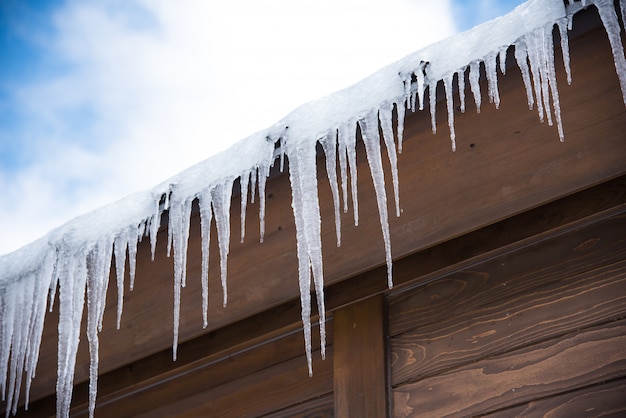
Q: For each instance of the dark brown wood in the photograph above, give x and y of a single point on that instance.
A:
(559, 365)
(360, 381)
(569, 213)
(257, 394)
(601, 400)
(567, 253)
(512, 300)
(322, 407)
(525, 318)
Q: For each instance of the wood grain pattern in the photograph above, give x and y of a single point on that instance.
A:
(507, 275)
(601, 400)
(315, 408)
(559, 365)
(257, 394)
(360, 380)
(547, 312)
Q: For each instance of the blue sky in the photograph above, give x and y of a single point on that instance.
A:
(99, 99)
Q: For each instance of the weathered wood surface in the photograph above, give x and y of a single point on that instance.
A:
(601, 400)
(514, 164)
(559, 365)
(315, 408)
(586, 248)
(509, 235)
(256, 394)
(360, 361)
(157, 381)
(552, 288)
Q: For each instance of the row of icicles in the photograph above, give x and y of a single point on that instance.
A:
(82, 274)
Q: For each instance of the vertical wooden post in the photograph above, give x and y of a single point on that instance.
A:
(359, 359)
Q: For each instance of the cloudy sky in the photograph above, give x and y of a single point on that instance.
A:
(100, 99)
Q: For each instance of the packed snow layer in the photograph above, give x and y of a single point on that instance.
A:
(75, 259)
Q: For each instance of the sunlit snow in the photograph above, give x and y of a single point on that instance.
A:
(76, 258)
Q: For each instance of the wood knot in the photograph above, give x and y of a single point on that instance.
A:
(586, 245)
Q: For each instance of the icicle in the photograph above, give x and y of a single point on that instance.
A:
(421, 87)
(541, 57)
(408, 93)
(42, 283)
(105, 254)
(432, 95)
(72, 279)
(535, 70)
(155, 223)
(244, 181)
(178, 232)
(94, 345)
(264, 172)
(220, 199)
(347, 145)
(400, 111)
(371, 138)
(282, 154)
(551, 72)
(447, 84)
(23, 296)
(606, 9)
(99, 261)
(253, 176)
(385, 116)
(562, 24)
(134, 235)
(329, 144)
(502, 59)
(343, 171)
(460, 78)
(539, 40)
(7, 319)
(54, 282)
(305, 204)
(206, 215)
(521, 56)
(474, 77)
(492, 79)
(120, 260)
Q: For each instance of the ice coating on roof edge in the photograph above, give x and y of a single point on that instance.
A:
(77, 255)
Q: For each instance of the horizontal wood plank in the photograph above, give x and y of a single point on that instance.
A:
(257, 394)
(321, 407)
(574, 302)
(505, 276)
(567, 254)
(601, 400)
(590, 356)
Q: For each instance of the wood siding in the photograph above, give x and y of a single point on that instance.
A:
(537, 323)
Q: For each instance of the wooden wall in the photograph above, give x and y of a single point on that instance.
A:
(539, 330)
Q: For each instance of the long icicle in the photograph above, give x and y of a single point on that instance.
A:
(371, 138)
(329, 145)
(305, 204)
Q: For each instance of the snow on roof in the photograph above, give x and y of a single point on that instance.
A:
(77, 256)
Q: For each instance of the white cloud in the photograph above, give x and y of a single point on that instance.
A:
(147, 88)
